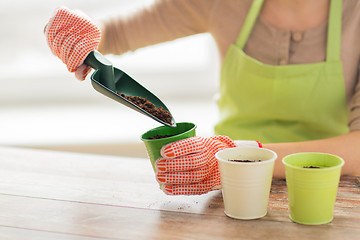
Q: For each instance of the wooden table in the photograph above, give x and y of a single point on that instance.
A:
(59, 195)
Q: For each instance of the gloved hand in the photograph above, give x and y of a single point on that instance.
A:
(189, 166)
(71, 36)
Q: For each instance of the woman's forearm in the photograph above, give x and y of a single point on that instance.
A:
(346, 146)
(162, 21)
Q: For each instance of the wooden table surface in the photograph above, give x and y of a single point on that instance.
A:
(58, 195)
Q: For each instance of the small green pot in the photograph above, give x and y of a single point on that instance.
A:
(153, 146)
(312, 181)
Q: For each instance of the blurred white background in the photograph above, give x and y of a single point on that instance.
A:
(43, 105)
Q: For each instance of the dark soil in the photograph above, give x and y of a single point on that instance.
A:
(160, 136)
(236, 160)
(149, 107)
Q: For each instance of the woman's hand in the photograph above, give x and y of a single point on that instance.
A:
(71, 36)
(189, 166)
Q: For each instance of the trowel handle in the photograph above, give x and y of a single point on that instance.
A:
(97, 61)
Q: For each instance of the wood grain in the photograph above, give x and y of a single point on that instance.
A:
(58, 195)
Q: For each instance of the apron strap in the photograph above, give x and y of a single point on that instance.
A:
(333, 35)
(249, 23)
(334, 31)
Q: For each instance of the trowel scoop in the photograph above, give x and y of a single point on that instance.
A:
(112, 82)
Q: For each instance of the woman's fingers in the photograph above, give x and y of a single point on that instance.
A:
(183, 147)
(211, 183)
(185, 177)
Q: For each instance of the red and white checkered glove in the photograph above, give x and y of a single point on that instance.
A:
(71, 36)
(189, 166)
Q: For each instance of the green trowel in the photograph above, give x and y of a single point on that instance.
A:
(112, 82)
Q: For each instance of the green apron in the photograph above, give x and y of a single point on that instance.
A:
(287, 103)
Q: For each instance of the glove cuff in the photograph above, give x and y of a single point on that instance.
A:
(244, 143)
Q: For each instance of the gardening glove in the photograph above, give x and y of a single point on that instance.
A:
(71, 36)
(189, 166)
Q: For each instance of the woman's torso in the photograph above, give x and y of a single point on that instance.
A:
(266, 43)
